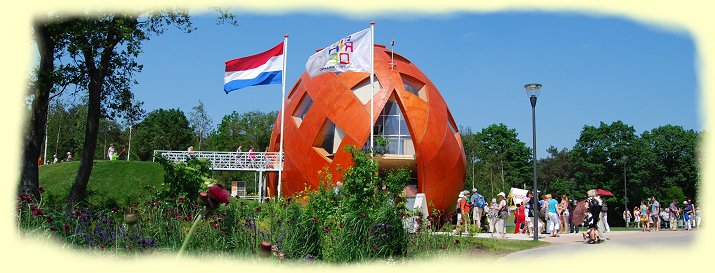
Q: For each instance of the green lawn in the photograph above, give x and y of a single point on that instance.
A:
(112, 183)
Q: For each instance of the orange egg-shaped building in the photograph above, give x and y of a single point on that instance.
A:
(328, 112)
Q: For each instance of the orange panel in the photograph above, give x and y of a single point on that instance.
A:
(440, 159)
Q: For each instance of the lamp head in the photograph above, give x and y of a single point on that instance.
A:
(532, 89)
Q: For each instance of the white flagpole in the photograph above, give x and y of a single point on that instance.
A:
(372, 83)
(283, 95)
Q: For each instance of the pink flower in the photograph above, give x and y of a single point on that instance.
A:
(265, 249)
(131, 218)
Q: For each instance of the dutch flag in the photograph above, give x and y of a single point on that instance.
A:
(260, 69)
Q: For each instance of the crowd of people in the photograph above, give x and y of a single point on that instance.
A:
(651, 216)
(559, 214)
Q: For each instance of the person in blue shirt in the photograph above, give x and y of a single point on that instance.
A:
(553, 215)
(477, 201)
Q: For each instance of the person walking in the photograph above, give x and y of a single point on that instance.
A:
(463, 211)
(251, 156)
(478, 203)
(692, 213)
(687, 215)
(593, 203)
(627, 217)
(604, 218)
(564, 214)
(552, 214)
(673, 214)
(655, 213)
(637, 216)
(519, 218)
(110, 151)
(529, 213)
(492, 215)
(503, 215)
(644, 216)
(698, 217)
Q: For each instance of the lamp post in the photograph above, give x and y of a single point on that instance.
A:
(625, 187)
(532, 90)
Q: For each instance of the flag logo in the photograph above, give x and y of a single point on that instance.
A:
(351, 53)
(260, 69)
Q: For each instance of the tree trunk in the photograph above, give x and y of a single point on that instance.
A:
(29, 181)
(79, 188)
(97, 75)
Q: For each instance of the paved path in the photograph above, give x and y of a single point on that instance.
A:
(572, 244)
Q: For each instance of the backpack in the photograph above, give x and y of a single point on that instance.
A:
(480, 201)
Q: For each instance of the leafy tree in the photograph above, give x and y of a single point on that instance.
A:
(555, 170)
(201, 122)
(500, 158)
(104, 51)
(162, 130)
(598, 162)
(247, 129)
(674, 157)
(469, 141)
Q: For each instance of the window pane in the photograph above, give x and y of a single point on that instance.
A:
(391, 125)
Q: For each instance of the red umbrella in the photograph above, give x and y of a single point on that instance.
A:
(602, 192)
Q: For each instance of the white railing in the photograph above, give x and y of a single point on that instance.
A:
(230, 161)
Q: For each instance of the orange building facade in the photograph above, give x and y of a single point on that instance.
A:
(326, 113)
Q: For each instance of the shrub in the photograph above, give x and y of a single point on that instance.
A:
(186, 178)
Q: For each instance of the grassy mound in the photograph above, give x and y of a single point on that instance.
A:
(112, 183)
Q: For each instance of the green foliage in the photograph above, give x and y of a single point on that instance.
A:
(250, 129)
(201, 124)
(381, 144)
(162, 130)
(186, 178)
(501, 159)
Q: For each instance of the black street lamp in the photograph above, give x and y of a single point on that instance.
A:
(532, 90)
(625, 187)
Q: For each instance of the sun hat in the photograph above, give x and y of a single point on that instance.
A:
(461, 195)
(474, 189)
(502, 194)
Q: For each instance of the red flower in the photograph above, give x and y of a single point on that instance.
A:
(340, 225)
(48, 219)
(115, 209)
(53, 228)
(443, 247)
(362, 215)
(219, 194)
(456, 242)
(41, 189)
(181, 200)
(326, 229)
(258, 209)
(314, 219)
(66, 228)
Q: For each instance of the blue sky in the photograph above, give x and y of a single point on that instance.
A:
(592, 68)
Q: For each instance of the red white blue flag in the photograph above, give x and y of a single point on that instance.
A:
(260, 69)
